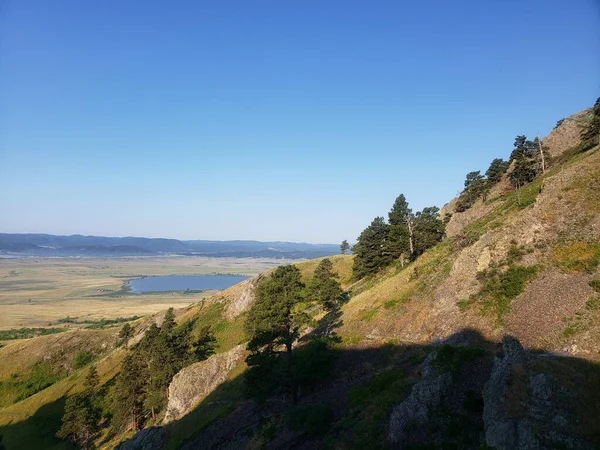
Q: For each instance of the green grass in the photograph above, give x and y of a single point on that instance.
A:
(368, 314)
(228, 333)
(364, 425)
(595, 284)
(577, 257)
(39, 377)
(314, 420)
(26, 333)
(390, 304)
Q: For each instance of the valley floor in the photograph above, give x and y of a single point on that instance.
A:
(37, 292)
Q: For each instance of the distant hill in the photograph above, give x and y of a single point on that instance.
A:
(30, 244)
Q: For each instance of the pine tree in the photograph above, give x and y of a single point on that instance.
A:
(592, 133)
(429, 229)
(80, 421)
(325, 288)
(274, 321)
(344, 247)
(497, 168)
(476, 186)
(125, 334)
(371, 250)
(401, 228)
(130, 391)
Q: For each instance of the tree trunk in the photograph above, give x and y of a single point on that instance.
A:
(542, 155)
(292, 372)
(410, 235)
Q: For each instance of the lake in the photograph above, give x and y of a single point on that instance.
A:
(183, 283)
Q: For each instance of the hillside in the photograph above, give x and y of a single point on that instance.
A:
(489, 339)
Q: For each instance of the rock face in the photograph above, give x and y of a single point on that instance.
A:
(244, 300)
(415, 410)
(195, 382)
(523, 408)
(146, 439)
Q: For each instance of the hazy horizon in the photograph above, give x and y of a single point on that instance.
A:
(271, 121)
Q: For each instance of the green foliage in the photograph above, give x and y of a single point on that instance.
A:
(371, 250)
(344, 247)
(595, 284)
(26, 333)
(324, 287)
(368, 314)
(364, 424)
(497, 168)
(578, 257)
(476, 186)
(314, 363)
(501, 287)
(428, 229)
(80, 421)
(314, 420)
(97, 324)
(155, 360)
(82, 358)
(274, 321)
(592, 133)
(125, 334)
(40, 376)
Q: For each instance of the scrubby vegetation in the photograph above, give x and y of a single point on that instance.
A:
(27, 333)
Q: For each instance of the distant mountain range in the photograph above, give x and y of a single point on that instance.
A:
(27, 244)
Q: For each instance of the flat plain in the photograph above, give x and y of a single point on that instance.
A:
(38, 292)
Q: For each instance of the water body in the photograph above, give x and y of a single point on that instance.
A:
(183, 283)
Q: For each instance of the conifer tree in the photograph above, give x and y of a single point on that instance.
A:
(372, 253)
(325, 288)
(401, 228)
(429, 229)
(497, 168)
(274, 322)
(344, 247)
(80, 421)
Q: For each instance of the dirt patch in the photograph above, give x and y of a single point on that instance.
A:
(538, 313)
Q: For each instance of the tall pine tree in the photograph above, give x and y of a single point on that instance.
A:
(371, 249)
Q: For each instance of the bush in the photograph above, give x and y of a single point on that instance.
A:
(82, 358)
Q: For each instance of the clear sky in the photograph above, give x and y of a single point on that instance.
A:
(271, 120)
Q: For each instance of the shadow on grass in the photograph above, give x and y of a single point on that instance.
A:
(38, 431)
(351, 408)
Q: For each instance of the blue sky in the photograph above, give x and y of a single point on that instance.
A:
(271, 120)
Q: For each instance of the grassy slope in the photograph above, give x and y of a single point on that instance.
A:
(383, 308)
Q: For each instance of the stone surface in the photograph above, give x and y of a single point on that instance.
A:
(195, 382)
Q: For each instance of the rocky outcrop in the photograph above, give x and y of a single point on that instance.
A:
(242, 302)
(524, 408)
(193, 383)
(415, 410)
(147, 439)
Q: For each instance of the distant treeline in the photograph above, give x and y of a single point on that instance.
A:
(26, 333)
(95, 324)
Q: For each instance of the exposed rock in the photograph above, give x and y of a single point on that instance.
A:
(244, 300)
(524, 409)
(193, 383)
(415, 410)
(146, 439)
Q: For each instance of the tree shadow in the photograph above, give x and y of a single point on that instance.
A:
(38, 431)
(353, 406)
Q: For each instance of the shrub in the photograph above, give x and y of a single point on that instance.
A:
(82, 358)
